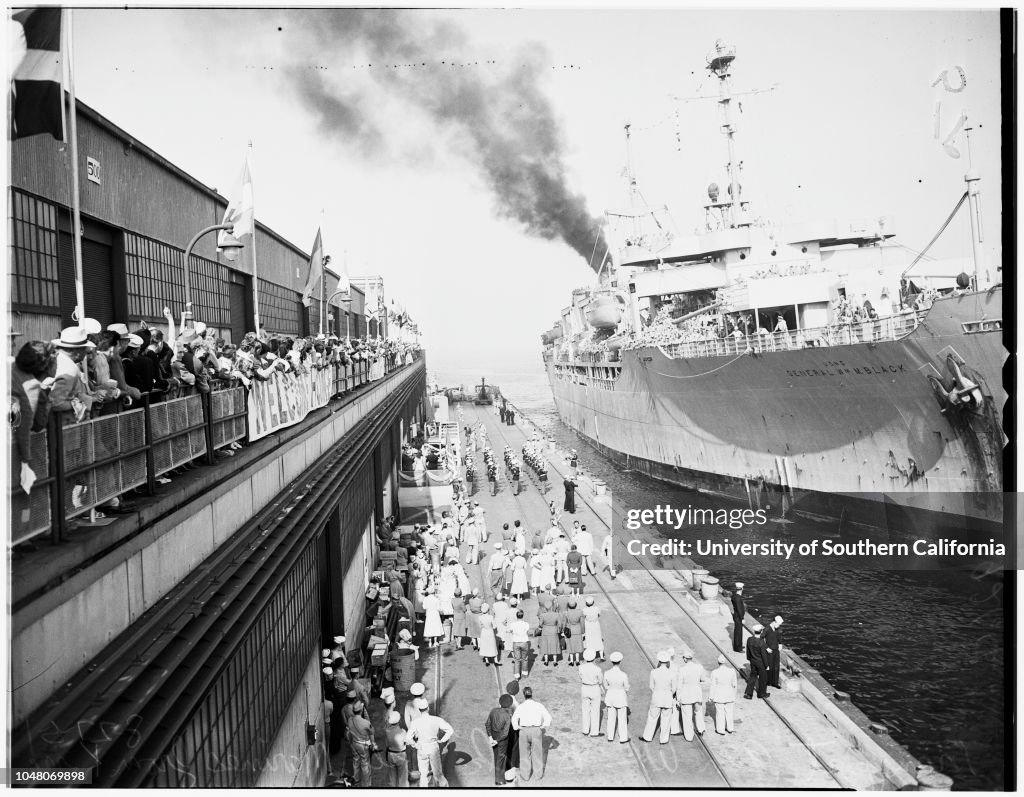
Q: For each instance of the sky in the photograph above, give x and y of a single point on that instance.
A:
(435, 146)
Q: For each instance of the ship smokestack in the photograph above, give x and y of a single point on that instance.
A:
(513, 137)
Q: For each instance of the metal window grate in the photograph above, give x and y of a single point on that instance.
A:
(226, 741)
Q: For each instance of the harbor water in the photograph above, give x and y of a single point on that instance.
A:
(920, 651)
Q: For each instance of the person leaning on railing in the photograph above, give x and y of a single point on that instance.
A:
(70, 394)
(30, 403)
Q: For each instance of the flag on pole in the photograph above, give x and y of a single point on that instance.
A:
(316, 268)
(37, 95)
(241, 210)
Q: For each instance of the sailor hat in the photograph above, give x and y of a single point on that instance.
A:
(421, 703)
(417, 689)
(394, 718)
(758, 627)
(589, 655)
(615, 658)
(739, 585)
(722, 659)
(134, 342)
(664, 657)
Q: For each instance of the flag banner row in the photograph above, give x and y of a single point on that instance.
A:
(285, 399)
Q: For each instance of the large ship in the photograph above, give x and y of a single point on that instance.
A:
(809, 367)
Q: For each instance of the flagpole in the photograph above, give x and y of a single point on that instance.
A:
(323, 273)
(76, 203)
(255, 271)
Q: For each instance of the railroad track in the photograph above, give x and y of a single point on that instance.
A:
(644, 566)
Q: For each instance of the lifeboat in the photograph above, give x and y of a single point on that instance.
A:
(605, 311)
(553, 335)
(614, 343)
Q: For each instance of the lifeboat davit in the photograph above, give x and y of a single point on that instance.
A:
(604, 311)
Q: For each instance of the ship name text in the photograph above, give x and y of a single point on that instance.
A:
(840, 368)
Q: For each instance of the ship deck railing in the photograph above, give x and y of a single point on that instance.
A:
(844, 334)
(83, 466)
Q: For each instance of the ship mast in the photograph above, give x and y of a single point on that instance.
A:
(973, 180)
(718, 64)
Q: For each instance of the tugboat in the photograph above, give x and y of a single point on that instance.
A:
(486, 394)
(803, 365)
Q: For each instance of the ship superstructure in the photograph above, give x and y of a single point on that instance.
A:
(812, 359)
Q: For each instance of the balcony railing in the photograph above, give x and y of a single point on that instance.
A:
(81, 466)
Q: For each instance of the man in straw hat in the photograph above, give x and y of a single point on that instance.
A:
(70, 393)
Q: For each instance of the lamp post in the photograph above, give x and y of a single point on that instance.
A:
(230, 245)
(326, 304)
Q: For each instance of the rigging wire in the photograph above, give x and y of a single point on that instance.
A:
(942, 229)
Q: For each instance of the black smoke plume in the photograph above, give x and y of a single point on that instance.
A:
(509, 125)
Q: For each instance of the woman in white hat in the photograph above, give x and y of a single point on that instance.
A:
(433, 630)
(488, 643)
(592, 637)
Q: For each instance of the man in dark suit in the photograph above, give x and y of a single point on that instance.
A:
(739, 609)
(569, 505)
(757, 656)
(771, 641)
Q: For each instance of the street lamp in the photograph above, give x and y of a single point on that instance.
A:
(231, 246)
(348, 298)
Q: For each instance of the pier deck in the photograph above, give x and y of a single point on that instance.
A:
(785, 741)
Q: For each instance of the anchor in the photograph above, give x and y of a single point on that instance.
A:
(956, 391)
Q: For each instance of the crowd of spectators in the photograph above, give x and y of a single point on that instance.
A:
(90, 372)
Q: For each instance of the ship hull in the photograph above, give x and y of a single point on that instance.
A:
(834, 428)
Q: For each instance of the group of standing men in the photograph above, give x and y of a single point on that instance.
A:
(763, 648)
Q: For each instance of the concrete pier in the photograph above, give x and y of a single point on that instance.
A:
(790, 740)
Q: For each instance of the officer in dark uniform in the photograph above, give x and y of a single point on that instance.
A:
(470, 479)
(739, 610)
(492, 477)
(757, 655)
(771, 641)
(515, 478)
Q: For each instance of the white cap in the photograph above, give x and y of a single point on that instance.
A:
(589, 655)
(664, 657)
(758, 627)
(739, 585)
(421, 703)
(339, 640)
(722, 659)
(417, 689)
(615, 658)
(778, 618)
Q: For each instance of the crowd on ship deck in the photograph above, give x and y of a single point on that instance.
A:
(90, 372)
(531, 610)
